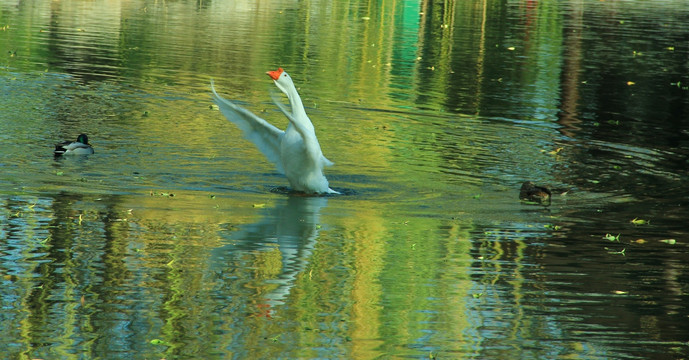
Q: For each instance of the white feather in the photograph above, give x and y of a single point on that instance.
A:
(295, 151)
(264, 135)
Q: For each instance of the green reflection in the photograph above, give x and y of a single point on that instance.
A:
(435, 112)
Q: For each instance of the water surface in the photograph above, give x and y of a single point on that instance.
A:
(178, 240)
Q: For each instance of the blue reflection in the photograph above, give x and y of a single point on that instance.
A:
(292, 225)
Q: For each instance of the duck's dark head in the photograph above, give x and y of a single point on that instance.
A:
(83, 139)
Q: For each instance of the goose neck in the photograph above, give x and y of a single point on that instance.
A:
(295, 103)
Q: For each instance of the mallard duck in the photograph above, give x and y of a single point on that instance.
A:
(294, 151)
(79, 147)
(533, 193)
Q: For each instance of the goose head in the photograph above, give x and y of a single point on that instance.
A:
(282, 80)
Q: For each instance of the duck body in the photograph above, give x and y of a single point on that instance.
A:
(532, 193)
(79, 147)
(295, 151)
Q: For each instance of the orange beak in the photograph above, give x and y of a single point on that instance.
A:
(275, 74)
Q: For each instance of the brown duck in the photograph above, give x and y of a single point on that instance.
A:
(533, 193)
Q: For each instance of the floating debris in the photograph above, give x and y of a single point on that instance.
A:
(611, 237)
(637, 221)
(166, 194)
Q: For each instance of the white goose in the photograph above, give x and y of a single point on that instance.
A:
(295, 151)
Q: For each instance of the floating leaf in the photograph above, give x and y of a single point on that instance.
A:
(612, 237)
(637, 221)
(640, 241)
(630, 83)
(162, 194)
(556, 151)
(614, 252)
(159, 342)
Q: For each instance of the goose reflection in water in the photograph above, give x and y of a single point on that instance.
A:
(293, 227)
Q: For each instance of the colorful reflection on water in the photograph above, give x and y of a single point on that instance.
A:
(177, 240)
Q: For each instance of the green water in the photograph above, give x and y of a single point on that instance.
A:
(178, 240)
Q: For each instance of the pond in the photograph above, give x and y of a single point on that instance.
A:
(177, 239)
